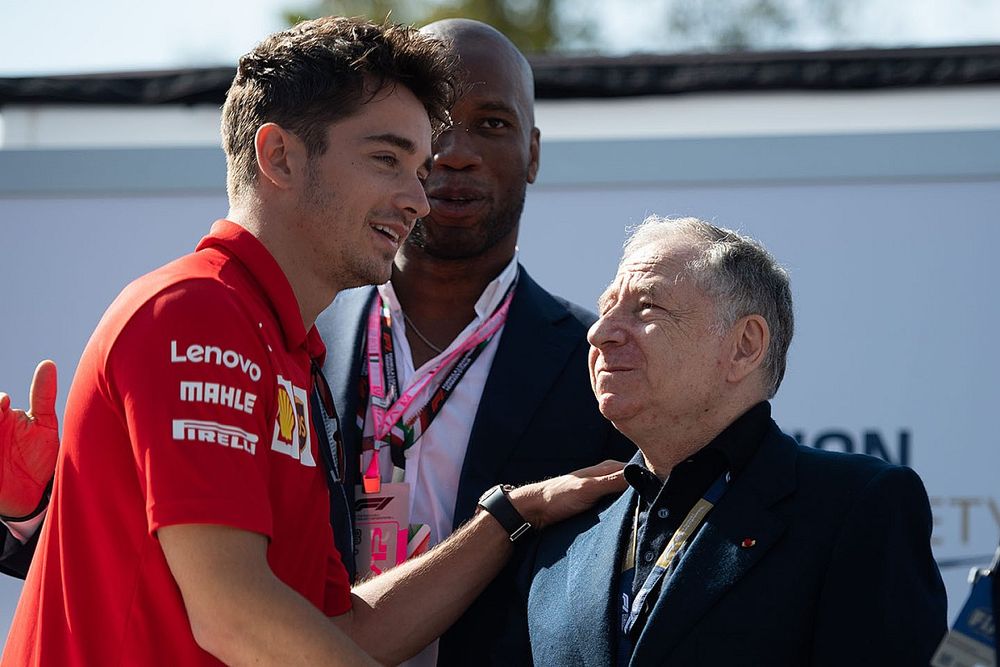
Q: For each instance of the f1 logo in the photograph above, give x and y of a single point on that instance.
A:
(372, 504)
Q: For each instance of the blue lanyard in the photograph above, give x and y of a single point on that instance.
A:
(687, 528)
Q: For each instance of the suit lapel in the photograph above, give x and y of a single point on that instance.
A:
(342, 326)
(533, 349)
(715, 560)
(592, 583)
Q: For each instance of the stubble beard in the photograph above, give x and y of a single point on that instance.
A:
(450, 243)
(343, 268)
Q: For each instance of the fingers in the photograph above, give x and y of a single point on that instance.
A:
(602, 469)
(608, 475)
(42, 399)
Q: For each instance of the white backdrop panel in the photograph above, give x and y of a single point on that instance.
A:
(893, 285)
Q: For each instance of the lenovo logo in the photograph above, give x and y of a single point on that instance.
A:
(210, 354)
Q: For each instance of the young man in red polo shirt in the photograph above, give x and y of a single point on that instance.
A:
(190, 519)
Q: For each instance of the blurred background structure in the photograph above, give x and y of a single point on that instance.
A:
(858, 139)
(63, 36)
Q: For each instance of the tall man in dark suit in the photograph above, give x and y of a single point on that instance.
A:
(523, 409)
(734, 545)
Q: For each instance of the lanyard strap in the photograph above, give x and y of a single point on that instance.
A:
(380, 385)
(332, 452)
(687, 528)
(326, 413)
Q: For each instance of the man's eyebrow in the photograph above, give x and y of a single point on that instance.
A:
(496, 105)
(607, 298)
(394, 139)
(647, 290)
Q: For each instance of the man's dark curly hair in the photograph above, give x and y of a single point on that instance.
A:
(321, 71)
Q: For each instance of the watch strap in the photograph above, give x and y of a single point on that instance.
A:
(496, 502)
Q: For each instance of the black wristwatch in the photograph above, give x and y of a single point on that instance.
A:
(496, 502)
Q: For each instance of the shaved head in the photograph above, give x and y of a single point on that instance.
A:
(471, 39)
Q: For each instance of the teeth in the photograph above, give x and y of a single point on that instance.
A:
(385, 230)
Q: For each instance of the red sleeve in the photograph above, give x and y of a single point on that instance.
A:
(193, 377)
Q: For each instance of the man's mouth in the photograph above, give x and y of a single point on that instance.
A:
(444, 193)
(457, 205)
(459, 198)
(387, 231)
(455, 193)
(613, 368)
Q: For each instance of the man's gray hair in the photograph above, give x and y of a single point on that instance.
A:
(739, 274)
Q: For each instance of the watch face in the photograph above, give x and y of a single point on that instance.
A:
(486, 494)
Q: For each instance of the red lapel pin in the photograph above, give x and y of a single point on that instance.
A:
(748, 542)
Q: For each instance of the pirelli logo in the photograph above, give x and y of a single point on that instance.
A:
(220, 434)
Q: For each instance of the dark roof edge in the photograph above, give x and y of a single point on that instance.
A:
(573, 76)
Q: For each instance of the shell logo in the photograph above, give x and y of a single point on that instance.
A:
(286, 415)
(291, 423)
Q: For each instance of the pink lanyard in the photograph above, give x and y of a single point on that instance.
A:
(382, 381)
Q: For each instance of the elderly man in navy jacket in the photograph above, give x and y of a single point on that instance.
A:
(733, 545)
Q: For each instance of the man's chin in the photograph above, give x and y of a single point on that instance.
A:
(616, 408)
(374, 276)
(449, 243)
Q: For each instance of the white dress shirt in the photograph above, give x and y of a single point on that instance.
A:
(434, 462)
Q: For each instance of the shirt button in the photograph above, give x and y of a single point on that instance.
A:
(662, 513)
(648, 557)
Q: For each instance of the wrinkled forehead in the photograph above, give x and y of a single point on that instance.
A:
(666, 257)
(650, 278)
(650, 269)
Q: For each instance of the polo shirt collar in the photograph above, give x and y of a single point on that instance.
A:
(273, 283)
(730, 450)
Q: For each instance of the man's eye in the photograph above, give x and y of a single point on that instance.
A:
(389, 160)
(493, 123)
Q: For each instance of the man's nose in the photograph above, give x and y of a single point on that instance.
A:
(412, 200)
(607, 330)
(455, 149)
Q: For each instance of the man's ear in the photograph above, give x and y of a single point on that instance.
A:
(281, 156)
(750, 339)
(534, 154)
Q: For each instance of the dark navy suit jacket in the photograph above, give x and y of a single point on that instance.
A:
(537, 418)
(840, 573)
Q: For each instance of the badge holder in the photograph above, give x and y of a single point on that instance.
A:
(382, 519)
(971, 642)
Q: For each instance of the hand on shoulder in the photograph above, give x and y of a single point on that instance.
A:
(553, 500)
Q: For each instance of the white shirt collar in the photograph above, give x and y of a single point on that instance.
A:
(488, 301)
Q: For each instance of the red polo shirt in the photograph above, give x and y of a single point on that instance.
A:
(190, 405)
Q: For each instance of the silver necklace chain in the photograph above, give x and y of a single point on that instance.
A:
(437, 350)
